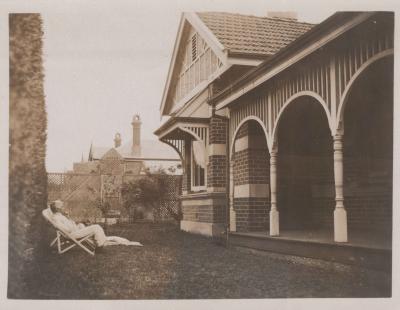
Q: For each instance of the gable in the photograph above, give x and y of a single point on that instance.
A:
(198, 58)
(97, 152)
(111, 154)
(196, 65)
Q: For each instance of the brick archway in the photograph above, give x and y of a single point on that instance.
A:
(245, 120)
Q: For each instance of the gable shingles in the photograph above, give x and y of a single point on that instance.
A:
(246, 34)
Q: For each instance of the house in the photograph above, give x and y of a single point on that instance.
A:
(135, 156)
(285, 130)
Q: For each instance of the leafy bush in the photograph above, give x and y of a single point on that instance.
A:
(148, 191)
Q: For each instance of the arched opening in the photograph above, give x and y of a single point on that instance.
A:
(305, 166)
(251, 193)
(368, 149)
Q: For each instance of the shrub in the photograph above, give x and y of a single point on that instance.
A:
(148, 191)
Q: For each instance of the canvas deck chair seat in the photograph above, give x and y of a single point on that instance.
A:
(65, 241)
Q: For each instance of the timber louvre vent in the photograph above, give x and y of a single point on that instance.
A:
(194, 47)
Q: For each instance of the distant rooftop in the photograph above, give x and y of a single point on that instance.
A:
(150, 150)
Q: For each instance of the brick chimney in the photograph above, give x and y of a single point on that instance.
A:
(136, 123)
(117, 140)
(289, 15)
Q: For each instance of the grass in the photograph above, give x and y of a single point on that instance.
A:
(177, 265)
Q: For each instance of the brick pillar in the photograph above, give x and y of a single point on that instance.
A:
(339, 215)
(217, 155)
(232, 213)
(251, 179)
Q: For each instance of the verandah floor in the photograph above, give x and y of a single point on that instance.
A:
(368, 249)
(357, 238)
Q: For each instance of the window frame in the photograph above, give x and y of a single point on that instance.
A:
(193, 169)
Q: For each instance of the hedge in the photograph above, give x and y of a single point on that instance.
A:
(27, 172)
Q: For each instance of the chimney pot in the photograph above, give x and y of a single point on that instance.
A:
(136, 124)
(117, 140)
(289, 15)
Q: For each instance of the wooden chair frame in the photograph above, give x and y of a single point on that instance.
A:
(65, 241)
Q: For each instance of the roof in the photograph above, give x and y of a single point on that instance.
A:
(171, 167)
(149, 149)
(174, 120)
(236, 39)
(97, 152)
(254, 35)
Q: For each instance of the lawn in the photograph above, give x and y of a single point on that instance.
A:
(177, 265)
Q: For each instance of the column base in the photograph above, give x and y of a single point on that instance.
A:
(201, 228)
(340, 225)
(274, 223)
(232, 220)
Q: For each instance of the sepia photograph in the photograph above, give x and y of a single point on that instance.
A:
(199, 151)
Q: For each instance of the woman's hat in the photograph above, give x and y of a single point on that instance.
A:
(58, 204)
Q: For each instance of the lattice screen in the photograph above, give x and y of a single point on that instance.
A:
(171, 201)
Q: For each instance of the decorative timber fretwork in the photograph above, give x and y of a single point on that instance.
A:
(177, 145)
(251, 108)
(326, 75)
(351, 62)
(199, 132)
(178, 137)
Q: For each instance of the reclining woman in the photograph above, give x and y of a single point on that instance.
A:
(80, 230)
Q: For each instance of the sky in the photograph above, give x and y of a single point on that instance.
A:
(104, 61)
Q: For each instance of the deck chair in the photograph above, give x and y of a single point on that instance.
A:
(65, 241)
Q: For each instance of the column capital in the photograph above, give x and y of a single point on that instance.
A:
(338, 136)
(274, 149)
(338, 143)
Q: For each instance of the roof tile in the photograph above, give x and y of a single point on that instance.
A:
(247, 34)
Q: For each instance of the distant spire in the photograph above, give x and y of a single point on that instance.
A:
(90, 151)
(82, 160)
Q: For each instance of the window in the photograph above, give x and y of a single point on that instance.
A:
(198, 166)
(198, 178)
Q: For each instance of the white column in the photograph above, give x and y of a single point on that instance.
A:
(273, 213)
(339, 215)
(232, 213)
